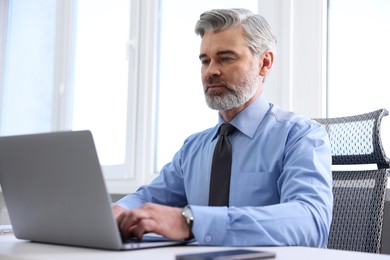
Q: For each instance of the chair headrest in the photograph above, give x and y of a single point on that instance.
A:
(357, 139)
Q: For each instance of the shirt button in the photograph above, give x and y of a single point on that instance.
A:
(207, 238)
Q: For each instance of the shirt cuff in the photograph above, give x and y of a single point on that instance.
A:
(210, 224)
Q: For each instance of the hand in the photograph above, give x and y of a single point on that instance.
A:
(163, 220)
(118, 210)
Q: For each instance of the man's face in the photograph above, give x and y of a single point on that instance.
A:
(230, 72)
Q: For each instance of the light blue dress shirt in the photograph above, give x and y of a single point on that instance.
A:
(281, 183)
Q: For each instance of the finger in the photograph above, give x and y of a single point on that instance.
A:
(125, 223)
(118, 210)
(128, 220)
(120, 218)
(144, 226)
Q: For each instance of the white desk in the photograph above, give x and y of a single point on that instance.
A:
(12, 248)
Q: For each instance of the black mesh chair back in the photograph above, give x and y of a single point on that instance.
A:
(359, 195)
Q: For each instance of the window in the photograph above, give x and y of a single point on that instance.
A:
(67, 66)
(99, 100)
(99, 90)
(26, 104)
(358, 57)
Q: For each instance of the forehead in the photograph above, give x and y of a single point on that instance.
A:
(227, 39)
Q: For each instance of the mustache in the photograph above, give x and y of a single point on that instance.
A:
(216, 81)
(226, 85)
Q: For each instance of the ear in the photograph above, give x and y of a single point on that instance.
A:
(266, 62)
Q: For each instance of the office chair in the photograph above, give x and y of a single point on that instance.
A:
(359, 195)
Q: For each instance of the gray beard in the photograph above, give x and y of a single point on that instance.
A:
(234, 97)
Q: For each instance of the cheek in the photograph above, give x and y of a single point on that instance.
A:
(242, 78)
(236, 75)
(204, 78)
(203, 73)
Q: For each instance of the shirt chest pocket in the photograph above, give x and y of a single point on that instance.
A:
(254, 189)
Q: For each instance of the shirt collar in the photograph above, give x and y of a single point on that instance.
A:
(249, 119)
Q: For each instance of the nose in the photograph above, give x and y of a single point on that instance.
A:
(212, 70)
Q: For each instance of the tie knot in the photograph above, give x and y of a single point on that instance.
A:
(226, 129)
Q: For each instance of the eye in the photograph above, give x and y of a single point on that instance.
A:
(205, 61)
(226, 59)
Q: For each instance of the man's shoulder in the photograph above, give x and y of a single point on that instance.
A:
(282, 116)
(293, 126)
(203, 135)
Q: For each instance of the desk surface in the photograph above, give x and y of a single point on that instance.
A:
(12, 248)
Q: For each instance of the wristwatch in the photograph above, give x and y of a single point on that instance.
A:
(189, 218)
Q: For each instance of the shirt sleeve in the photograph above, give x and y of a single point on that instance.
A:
(166, 189)
(304, 213)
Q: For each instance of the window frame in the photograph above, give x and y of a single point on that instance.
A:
(141, 99)
(301, 29)
(4, 6)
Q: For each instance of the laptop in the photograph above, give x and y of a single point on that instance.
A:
(55, 192)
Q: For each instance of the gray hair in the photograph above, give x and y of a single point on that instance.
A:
(256, 29)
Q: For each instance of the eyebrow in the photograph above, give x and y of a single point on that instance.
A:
(220, 53)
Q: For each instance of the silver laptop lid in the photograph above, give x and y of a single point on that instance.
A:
(54, 190)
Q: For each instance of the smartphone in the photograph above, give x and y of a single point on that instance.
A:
(236, 254)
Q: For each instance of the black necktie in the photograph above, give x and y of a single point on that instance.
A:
(220, 169)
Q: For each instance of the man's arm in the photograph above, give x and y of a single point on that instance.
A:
(143, 211)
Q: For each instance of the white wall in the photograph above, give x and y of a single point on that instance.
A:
(298, 79)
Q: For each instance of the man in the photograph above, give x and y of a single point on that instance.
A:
(280, 186)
